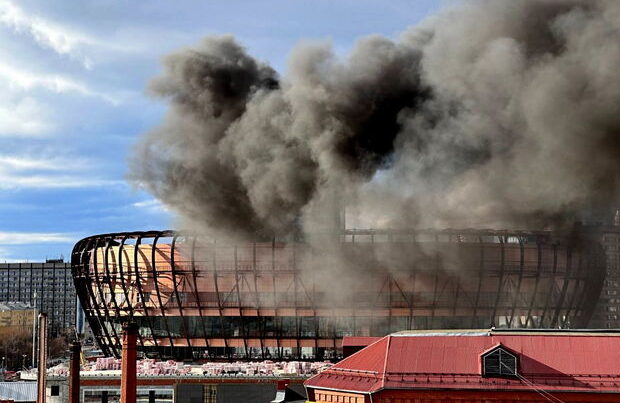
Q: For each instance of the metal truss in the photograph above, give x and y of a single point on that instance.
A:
(195, 298)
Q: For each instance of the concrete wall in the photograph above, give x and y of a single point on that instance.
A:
(196, 392)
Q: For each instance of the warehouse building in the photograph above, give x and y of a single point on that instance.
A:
(476, 366)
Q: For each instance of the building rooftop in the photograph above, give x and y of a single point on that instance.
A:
(18, 391)
(507, 331)
(14, 306)
(575, 361)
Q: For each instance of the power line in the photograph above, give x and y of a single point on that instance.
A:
(548, 396)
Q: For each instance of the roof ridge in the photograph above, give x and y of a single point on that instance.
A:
(387, 354)
(361, 350)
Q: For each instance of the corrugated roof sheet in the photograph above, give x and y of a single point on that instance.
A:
(571, 362)
(18, 391)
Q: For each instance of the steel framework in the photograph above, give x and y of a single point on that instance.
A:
(193, 298)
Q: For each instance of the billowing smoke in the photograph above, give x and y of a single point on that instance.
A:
(492, 113)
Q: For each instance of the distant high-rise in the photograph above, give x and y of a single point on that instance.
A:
(47, 286)
(607, 313)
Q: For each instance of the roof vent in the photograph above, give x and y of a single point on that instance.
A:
(499, 362)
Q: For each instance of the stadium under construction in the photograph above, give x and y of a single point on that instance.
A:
(193, 298)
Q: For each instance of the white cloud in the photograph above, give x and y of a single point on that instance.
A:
(20, 79)
(13, 182)
(152, 205)
(26, 117)
(27, 172)
(14, 162)
(25, 238)
(49, 34)
(146, 203)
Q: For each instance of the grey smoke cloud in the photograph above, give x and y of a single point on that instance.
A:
(488, 114)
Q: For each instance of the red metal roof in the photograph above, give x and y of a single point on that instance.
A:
(451, 360)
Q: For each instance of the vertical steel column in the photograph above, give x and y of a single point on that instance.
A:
(571, 304)
(559, 305)
(128, 364)
(175, 284)
(219, 300)
(536, 284)
(457, 284)
(145, 304)
(390, 301)
(550, 293)
(436, 281)
(277, 319)
(74, 372)
(518, 290)
(591, 284)
(295, 304)
(112, 288)
(408, 301)
(500, 283)
(261, 333)
(42, 368)
(413, 275)
(197, 294)
(240, 306)
(313, 300)
(123, 281)
(83, 289)
(474, 323)
(110, 343)
(156, 283)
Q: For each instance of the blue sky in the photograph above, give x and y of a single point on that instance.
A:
(72, 98)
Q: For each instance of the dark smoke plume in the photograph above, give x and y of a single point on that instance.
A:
(492, 113)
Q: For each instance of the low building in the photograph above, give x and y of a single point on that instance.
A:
(104, 388)
(182, 382)
(477, 366)
(18, 392)
(15, 318)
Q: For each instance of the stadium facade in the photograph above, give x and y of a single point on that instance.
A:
(193, 298)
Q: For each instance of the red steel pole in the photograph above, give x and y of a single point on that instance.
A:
(74, 373)
(128, 363)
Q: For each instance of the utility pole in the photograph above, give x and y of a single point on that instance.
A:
(34, 332)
